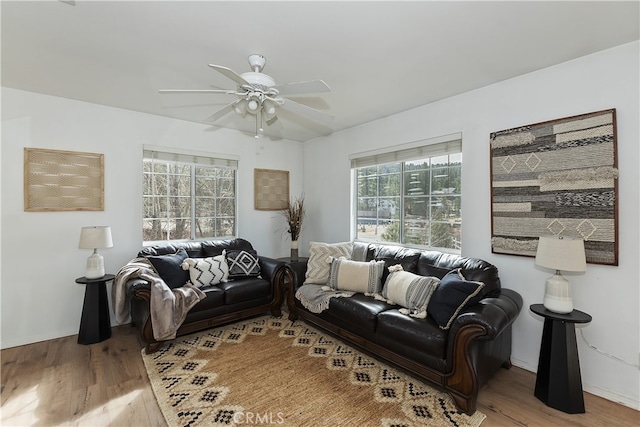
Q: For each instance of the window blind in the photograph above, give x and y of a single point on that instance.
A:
(190, 158)
(413, 151)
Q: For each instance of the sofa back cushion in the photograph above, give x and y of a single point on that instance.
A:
(437, 264)
(215, 247)
(203, 249)
(393, 255)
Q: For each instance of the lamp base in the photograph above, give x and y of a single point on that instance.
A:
(557, 295)
(95, 266)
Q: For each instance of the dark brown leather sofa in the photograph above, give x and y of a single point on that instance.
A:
(459, 360)
(224, 303)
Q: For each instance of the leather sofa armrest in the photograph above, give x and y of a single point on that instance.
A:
(269, 267)
(300, 272)
(494, 314)
(138, 288)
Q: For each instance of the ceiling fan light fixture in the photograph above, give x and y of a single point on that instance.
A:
(258, 95)
(241, 107)
(269, 108)
(254, 103)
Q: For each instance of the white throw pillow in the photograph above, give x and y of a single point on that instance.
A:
(355, 276)
(207, 271)
(409, 290)
(320, 260)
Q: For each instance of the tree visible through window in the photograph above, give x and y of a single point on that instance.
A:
(186, 199)
(415, 201)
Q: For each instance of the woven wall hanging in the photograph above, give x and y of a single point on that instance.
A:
(56, 180)
(558, 177)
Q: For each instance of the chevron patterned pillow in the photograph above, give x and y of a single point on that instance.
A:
(207, 271)
(320, 260)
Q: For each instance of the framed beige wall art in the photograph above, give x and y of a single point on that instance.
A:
(271, 189)
(56, 180)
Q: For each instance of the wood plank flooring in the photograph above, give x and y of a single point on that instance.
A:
(60, 382)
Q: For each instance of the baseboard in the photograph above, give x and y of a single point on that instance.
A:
(32, 339)
(595, 390)
(613, 397)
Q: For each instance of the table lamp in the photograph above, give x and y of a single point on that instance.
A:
(560, 253)
(95, 237)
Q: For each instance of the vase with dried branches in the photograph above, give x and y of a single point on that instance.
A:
(294, 214)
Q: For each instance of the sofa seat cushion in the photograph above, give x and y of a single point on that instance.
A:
(241, 290)
(417, 339)
(214, 298)
(359, 310)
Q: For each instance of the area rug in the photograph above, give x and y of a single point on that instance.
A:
(272, 371)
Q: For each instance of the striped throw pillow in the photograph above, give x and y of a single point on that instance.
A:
(355, 276)
(409, 290)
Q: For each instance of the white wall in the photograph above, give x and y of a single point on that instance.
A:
(40, 256)
(608, 79)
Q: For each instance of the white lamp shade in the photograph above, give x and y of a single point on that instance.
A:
(560, 253)
(96, 236)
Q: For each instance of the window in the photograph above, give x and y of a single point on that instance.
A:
(410, 196)
(188, 196)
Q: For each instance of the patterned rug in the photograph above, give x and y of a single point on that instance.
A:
(273, 371)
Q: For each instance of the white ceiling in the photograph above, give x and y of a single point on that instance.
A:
(379, 58)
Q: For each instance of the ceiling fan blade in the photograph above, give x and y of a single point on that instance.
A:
(231, 74)
(298, 88)
(197, 91)
(220, 113)
(305, 111)
(274, 123)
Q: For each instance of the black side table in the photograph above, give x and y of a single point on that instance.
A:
(95, 324)
(289, 277)
(558, 382)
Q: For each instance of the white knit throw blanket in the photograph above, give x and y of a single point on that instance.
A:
(168, 307)
(315, 298)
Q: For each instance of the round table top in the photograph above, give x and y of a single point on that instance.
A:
(576, 316)
(86, 281)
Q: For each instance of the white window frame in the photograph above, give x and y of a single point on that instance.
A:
(432, 147)
(192, 159)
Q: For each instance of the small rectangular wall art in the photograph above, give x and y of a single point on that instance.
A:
(271, 189)
(56, 180)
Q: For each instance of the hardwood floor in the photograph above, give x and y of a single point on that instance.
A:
(60, 382)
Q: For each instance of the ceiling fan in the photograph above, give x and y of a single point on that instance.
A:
(259, 96)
